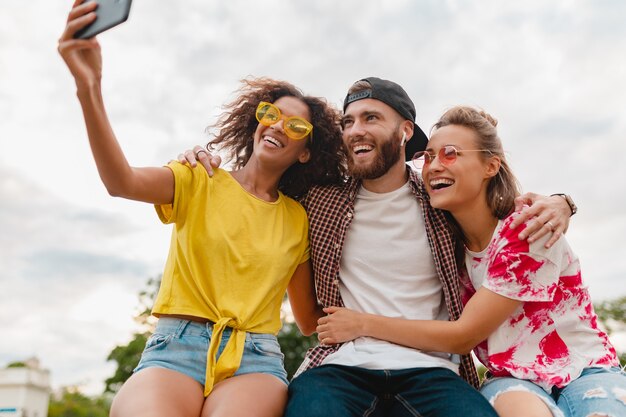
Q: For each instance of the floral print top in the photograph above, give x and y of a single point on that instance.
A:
(554, 334)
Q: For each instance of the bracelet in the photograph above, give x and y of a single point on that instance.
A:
(569, 201)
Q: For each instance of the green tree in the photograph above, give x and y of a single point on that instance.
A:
(71, 403)
(17, 365)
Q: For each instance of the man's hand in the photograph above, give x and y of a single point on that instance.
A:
(544, 215)
(198, 153)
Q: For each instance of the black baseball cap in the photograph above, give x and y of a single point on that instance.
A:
(394, 96)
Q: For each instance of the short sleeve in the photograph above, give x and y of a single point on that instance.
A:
(187, 180)
(519, 270)
(306, 255)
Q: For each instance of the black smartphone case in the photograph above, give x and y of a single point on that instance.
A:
(109, 13)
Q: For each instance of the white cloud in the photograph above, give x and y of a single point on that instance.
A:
(70, 282)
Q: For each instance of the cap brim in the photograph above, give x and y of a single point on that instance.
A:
(417, 143)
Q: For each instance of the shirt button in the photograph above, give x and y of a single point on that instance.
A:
(335, 282)
(336, 245)
(349, 215)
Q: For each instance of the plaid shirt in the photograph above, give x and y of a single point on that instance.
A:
(330, 210)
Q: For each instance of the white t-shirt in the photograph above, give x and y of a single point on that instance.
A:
(387, 269)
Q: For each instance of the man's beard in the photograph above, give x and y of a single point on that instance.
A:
(388, 156)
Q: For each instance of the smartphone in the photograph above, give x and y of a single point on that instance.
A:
(109, 13)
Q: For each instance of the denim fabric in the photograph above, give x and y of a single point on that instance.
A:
(596, 391)
(182, 345)
(347, 391)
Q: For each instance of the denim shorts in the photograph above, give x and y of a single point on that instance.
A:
(182, 345)
(596, 391)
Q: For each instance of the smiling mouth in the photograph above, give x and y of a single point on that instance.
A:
(440, 183)
(362, 149)
(272, 141)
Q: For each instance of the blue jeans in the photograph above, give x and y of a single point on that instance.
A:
(596, 391)
(348, 391)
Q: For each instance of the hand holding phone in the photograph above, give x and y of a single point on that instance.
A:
(109, 13)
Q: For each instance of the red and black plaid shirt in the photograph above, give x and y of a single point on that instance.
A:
(330, 210)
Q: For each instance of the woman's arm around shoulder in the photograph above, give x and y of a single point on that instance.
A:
(482, 315)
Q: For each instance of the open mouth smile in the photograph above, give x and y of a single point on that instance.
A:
(362, 148)
(272, 141)
(440, 183)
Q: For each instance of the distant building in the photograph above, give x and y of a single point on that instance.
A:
(25, 390)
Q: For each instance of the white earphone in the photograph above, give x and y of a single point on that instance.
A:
(403, 142)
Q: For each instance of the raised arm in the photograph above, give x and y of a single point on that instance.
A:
(481, 316)
(84, 60)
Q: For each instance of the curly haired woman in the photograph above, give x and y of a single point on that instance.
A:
(239, 241)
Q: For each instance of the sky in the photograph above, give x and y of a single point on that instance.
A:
(73, 259)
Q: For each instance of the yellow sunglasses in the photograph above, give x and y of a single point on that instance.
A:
(295, 127)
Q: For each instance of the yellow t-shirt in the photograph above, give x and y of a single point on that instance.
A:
(231, 258)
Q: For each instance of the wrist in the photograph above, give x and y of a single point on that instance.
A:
(364, 328)
(569, 201)
(89, 95)
(86, 88)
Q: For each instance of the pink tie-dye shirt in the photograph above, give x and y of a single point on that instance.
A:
(554, 334)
